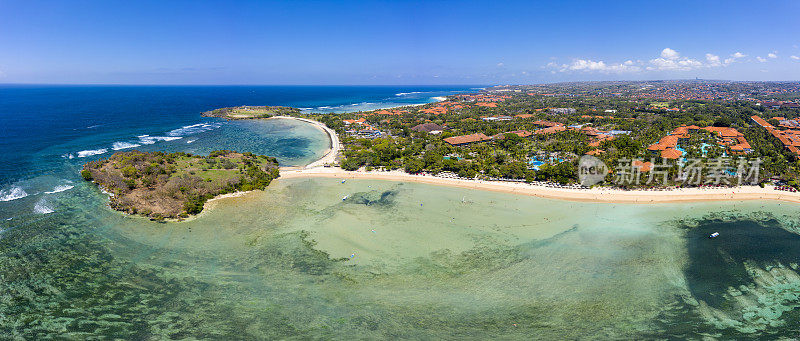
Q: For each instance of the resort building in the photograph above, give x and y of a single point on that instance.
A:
(550, 130)
(361, 128)
(520, 133)
(668, 146)
(789, 138)
(788, 124)
(547, 123)
(467, 139)
(430, 128)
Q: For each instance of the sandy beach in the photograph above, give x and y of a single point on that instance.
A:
(587, 195)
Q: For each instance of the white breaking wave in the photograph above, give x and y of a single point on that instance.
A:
(193, 129)
(85, 153)
(42, 207)
(12, 194)
(60, 188)
(191, 141)
(410, 93)
(123, 145)
(147, 139)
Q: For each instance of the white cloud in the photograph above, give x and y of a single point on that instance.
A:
(582, 64)
(772, 55)
(685, 64)
(734, 57)
(671, 60)
(599, 66)
(670, 54)
(713, 60)
(500, 64)
(795, 57)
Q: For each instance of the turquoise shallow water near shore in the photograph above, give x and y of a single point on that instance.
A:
(298, 261)
(393, 260)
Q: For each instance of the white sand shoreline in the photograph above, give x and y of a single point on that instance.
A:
(604, 195)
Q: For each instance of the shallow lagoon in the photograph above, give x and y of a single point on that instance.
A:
(441, 262)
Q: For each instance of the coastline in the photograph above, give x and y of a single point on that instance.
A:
(600, 195)
(330, 154)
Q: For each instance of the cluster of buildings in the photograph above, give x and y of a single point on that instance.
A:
(597, 136)
(483, 97)
(790, 138)
(601, 117)
(779, 105)
(669, 147)
(664, 90)
(361, 128)
(442, 108)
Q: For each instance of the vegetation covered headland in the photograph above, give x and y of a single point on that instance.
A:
(162, 185)
(250, 112)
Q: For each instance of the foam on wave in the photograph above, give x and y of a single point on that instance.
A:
(193, 129)
(147, 139)
(14, 193)
(124, 145)
(85, 153)
(42, 207)
(60, 188)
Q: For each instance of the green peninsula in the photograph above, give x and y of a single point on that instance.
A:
(249, 112)
(162, 185)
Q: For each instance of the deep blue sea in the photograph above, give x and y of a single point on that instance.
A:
(47, 130)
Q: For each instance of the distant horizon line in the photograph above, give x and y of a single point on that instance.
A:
(144, 84)
(406, 85)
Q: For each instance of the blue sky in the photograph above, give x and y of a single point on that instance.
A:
(383, 42)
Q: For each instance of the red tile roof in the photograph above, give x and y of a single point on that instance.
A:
(520, 133)
(643, 166)
(466, 139)
(671, 153)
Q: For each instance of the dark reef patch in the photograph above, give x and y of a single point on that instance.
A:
(716, 264)
(292, 147)
(373, 198)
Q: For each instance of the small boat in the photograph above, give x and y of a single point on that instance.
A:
(344, 198)
(714, 235)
